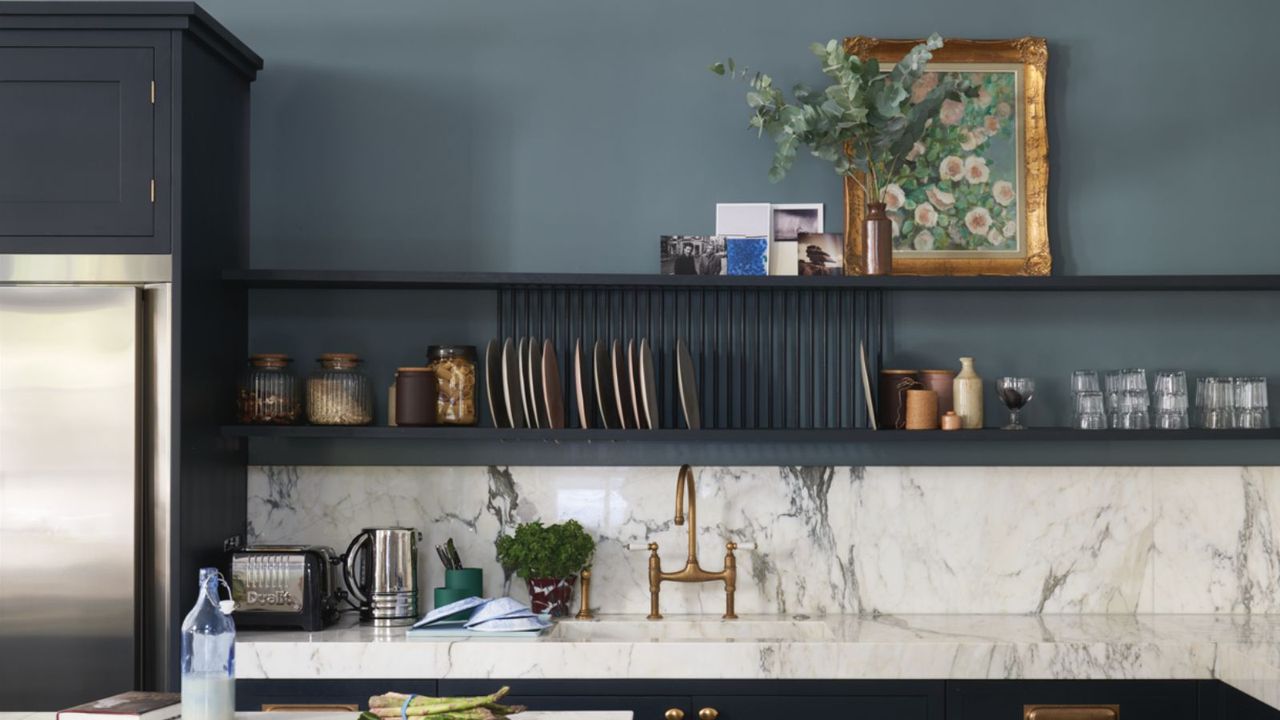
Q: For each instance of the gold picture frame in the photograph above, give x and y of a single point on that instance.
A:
(1027, 58)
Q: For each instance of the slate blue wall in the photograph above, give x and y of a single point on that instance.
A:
(569, 134)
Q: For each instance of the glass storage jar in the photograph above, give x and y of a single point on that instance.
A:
(455, 369)
(269, 392)
(338, 393)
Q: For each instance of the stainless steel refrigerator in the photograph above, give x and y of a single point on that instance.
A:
(84, 476)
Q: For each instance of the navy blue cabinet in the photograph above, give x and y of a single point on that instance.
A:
(772, 699)
(111, 116)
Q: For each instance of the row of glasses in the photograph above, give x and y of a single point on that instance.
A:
(1124, 401)
(1232, 402)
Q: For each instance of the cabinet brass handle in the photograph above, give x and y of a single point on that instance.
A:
(674, 714)
(303, 707)
(708, 713)
(1071, 712)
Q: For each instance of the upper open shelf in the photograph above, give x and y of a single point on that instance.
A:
(408, 280)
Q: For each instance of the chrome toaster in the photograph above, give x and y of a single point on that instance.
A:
(286, 586)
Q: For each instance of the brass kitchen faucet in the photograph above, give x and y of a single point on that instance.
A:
(692, 572)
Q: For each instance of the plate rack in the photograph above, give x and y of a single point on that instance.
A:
(764, 358)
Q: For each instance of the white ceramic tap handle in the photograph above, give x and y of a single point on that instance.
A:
(746, 546)
(637, 546)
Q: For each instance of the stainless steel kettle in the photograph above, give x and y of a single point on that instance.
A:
(380, 568)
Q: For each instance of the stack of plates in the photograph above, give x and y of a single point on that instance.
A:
(523, 382)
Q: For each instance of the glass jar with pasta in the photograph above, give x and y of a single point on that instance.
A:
(338, 393)
(455, 369)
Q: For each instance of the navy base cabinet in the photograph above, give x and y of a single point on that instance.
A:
(774, 699)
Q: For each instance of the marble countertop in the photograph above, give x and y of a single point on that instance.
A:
(1241, 650)
(292, 715)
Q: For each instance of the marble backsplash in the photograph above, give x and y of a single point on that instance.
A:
(837, 539)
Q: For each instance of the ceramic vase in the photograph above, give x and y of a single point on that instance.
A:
(966, 395)
(551, 596)
(878, 231)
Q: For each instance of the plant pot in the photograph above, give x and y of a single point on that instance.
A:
(551, 595)
(878, 232)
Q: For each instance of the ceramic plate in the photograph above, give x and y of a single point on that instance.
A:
(687, 380)
(552, 395)
(533, 384)
(522, 381)
(648, 386)
(622, 386)
(511, 383)
(580, 384)
(493, 384)
(633, 384)
(603, 376)
(866, 386)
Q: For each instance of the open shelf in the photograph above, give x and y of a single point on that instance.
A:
(478, 434)
(406, 280)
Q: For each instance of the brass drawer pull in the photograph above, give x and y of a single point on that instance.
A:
(303, 707)
(674, 714)
(1071, 712)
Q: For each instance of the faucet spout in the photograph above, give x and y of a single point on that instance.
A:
(685, 480)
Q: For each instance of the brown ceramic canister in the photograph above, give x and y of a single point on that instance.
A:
(922, 410)
(941, 382)
(894, 384)
(415, 397)
(950, 421)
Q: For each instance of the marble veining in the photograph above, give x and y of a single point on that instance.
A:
(839, 540)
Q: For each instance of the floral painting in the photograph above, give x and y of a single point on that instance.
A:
(958, 190)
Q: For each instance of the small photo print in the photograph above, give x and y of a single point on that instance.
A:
(792, 219)
(692, 255)
(748, 255)
(821, 253)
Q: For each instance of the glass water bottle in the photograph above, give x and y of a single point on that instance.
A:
(209, 655)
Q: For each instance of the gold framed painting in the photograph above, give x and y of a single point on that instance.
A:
(972, 198)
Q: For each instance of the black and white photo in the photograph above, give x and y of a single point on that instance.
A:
(692, 255)
(788, 221)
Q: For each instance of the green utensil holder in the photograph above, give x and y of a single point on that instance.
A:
(459, 585)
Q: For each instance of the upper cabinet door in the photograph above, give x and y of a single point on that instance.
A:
(78, 150)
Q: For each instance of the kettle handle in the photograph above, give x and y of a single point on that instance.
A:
(349, 567)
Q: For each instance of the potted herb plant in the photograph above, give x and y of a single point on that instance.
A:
(865, 123)
(549, 558)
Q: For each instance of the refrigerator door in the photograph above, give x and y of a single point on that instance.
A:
(70, 440)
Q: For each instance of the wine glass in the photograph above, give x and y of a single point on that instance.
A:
(1015, 393)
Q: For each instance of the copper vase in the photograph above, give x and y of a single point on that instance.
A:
(878, 231)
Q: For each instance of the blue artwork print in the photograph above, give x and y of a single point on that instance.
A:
(748, 256)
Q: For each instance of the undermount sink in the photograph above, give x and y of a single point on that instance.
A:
(692, 630)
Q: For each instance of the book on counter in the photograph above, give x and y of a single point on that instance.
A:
(500, 617)
(128, 706)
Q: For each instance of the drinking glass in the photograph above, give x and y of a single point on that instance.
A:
(1133, 410)
(1090, 413)
(1084, 381)
(1215, 401)
(1169, 400)
(1015, 393)
(1250, 396)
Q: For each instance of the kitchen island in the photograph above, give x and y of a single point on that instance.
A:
(1241, 651)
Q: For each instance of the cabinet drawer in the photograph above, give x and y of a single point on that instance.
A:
(1009, 700)
(809, 706)
(254, 695)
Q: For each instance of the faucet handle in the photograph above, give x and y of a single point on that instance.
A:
(642, 546)
(731, 545)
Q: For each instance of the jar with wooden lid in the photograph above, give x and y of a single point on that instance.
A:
(455, 369)
(269, 393)
(338, 393)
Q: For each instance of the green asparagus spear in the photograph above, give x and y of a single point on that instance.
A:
(434, 705)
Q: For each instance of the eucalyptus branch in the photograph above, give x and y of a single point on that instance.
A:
(863, 123)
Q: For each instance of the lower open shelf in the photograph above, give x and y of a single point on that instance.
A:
(574, 435)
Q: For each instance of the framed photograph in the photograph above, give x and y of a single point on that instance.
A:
(745, 219)
(820, 254)
(789, 222)
(692, 255)
(971, 199)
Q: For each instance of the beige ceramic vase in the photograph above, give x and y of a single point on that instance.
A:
(966, 392)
